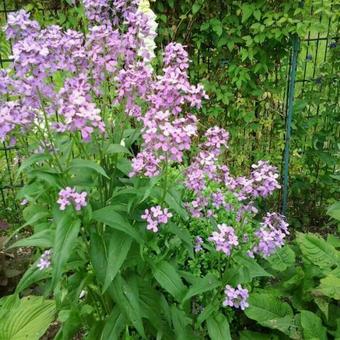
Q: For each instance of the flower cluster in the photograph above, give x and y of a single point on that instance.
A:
(13, 114)
(167, 132)
(45, 260)
(270, 236)
(86, 62)
(198, 244)
(69, 195)
(236, 297)
(155, 216)
(77, 109)
(224, 239)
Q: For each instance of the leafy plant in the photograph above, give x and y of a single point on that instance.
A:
(26, 318)
(307, 278)
(139, 227)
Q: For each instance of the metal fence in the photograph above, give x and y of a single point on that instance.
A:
(310, 98)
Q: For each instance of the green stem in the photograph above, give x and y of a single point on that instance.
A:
(165, 171)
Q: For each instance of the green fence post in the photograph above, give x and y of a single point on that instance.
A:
(289, 116)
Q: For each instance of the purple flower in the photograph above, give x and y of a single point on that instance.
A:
(155, 216)
(225, 239)
(24, 202)
(45, 260)
(198, 244)
(69, 196)
(236, 297)
(270, 236)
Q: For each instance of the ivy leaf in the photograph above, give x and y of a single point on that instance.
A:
(167, 276)
(218, 327)
(312, 326)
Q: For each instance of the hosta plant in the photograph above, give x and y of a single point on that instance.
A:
(139, 227)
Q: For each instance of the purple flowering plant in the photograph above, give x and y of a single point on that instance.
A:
(119, 205)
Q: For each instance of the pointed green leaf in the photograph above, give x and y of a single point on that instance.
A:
(42, 239)
(218, 327)
(112, 218)
(312, 326)
(202, 285)
(317, 250)
(85, 163)
(270, 312)
(66, 235)
(330, 286)
(119, 247)
(169, 279)
(114, 325)
(32, 160)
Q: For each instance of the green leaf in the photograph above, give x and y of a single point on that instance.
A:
(180, 323)
(334, 211)
(117, 148)
(125, 294)
(119, 247)
(112, 218)
(28, 319)
(32, 160)
(249, 335)
(201, 285)
(216, 26)
(98, 256)
(87, 164)
(270, 312)
(42, 239)
(329, 286)
(65, 238)
(218, 328)
(114, 325)
(312, 326)
(168, 278)
(195, 8)
(244, 270)
(247, 11)
(31, 276)
(183, 234)
(282, 259)
(317, 250)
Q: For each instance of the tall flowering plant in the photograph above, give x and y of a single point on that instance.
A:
(135, 232)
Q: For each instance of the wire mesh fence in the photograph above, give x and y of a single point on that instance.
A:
(314, 134)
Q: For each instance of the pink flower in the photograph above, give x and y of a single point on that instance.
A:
(155, 216)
